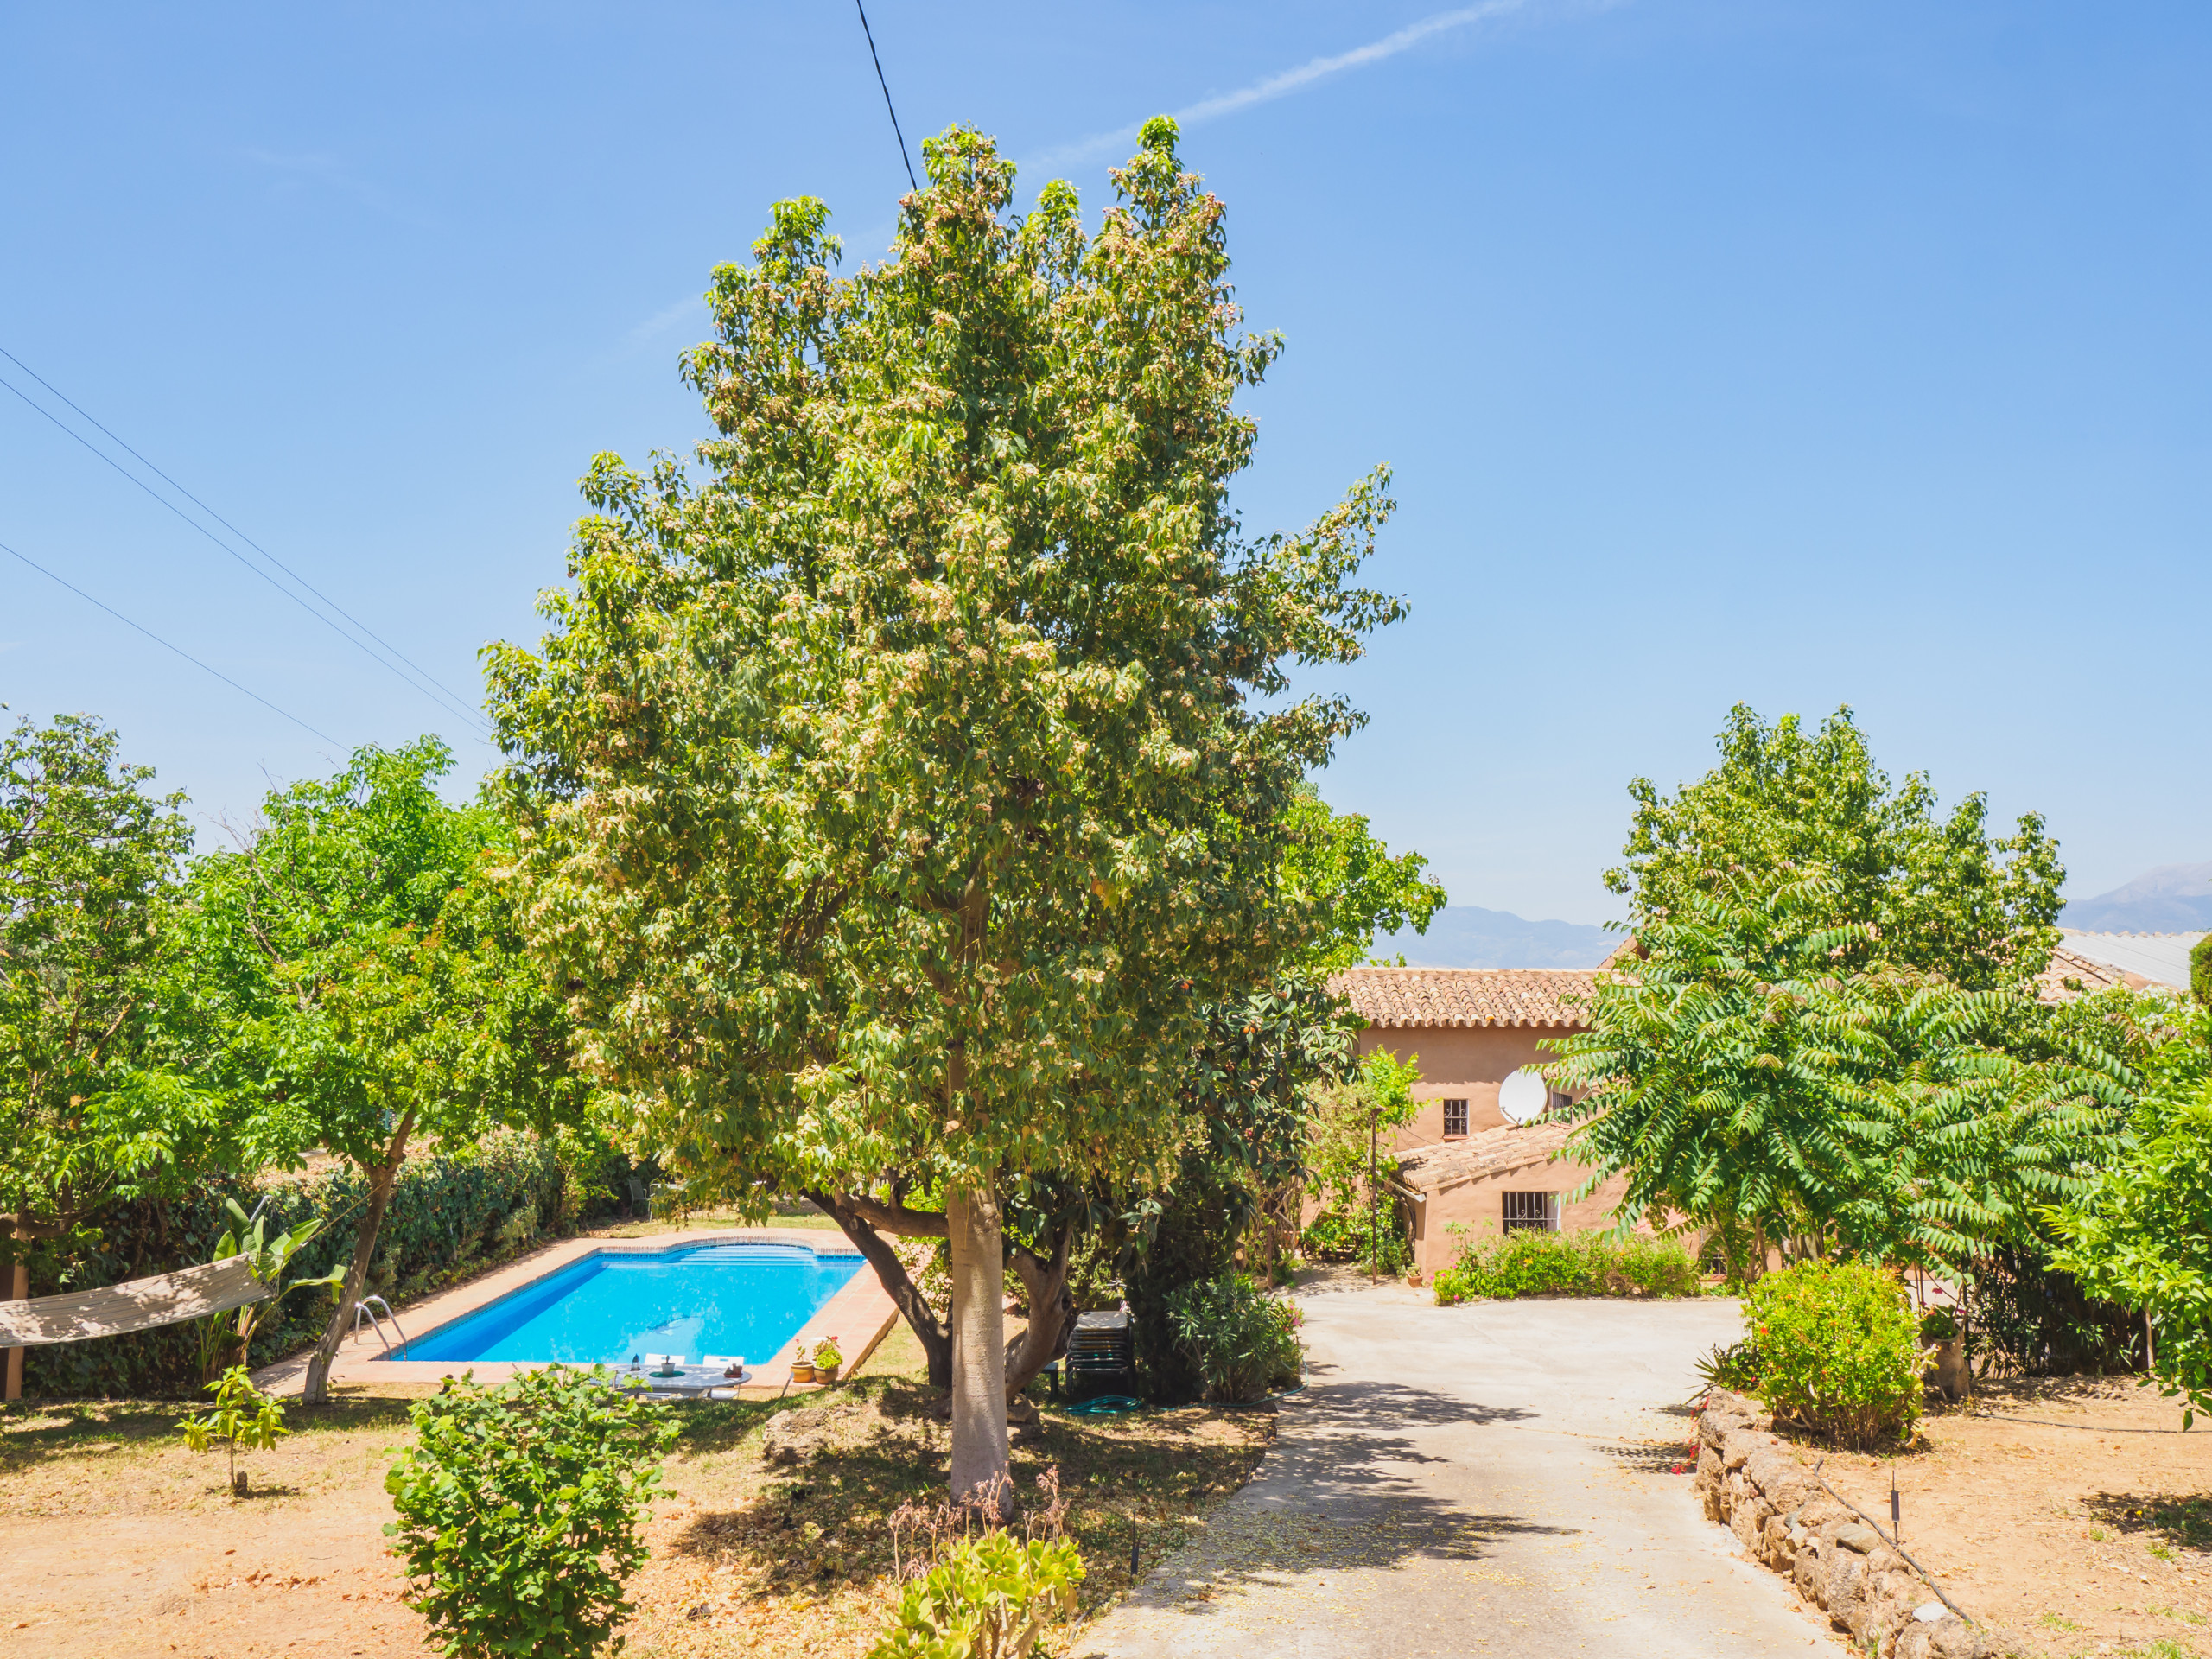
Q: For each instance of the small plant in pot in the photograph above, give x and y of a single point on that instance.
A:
(828, 1357)
(802, 1365)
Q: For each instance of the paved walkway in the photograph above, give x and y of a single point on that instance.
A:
(1491, 1479)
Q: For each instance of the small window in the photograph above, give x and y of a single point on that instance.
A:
(1536, 1211)
(1455, 1117)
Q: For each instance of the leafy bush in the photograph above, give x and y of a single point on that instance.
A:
(1839, 1350)
(1529, 1263)
(1240, 1341)
(1733, 1365)
(2140, 1237)
(521, 1510)
(452, 1212)
(986, 1597)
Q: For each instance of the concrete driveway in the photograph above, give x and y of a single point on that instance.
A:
(1491, 1479)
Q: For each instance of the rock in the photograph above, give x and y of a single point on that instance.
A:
(795, 1436)
(1865, 1539)
(1930, 1612)
(1811, 1572)
(1847, 1585)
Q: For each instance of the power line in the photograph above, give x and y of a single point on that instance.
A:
(165, 645)
(232, 528)
(450, 701)
(903, 160)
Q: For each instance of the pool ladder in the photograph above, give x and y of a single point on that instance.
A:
(362, 1308)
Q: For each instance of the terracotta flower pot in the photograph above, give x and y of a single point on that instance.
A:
(802, 1370)
(825, 1373)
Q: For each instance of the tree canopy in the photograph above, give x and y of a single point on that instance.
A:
(88, 871)
(361, 983)
(1937, 894)
(1826, 1037)
(1335, 866)
(897, 796)
(2140, 1233)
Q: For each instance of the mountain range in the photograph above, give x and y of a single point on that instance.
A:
(2172, 899)
(1467, 936)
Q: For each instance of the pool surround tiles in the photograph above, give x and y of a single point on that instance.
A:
(859, 1316)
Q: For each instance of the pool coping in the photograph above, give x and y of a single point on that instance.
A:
(859, 1316)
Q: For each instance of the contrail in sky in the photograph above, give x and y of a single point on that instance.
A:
(1290, 80)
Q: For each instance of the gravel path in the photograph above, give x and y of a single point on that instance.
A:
(1492, 1479)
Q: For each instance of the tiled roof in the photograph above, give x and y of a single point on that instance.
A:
(2071, 975)
(1494, 1152)
(1467, 996)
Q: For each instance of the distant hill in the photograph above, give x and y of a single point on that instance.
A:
(2172, 899)
(1466, 936)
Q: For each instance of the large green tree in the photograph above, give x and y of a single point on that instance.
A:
(1916, 889)
(1337, 868)
(89, 862)
(2140, 1236)
(1826, 1038)
(358, 985)
(897, 796)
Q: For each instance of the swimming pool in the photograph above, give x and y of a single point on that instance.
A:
(745, 1299)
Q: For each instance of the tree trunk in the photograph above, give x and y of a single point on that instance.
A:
(1051, 1313)
(921, 1319)
(979, 1436)
(19, 1289)
(381, 1181)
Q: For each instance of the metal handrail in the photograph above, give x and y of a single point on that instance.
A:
(362, 1306)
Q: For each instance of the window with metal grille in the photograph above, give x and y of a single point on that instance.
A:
(1537, 1211)
(1455, 1117)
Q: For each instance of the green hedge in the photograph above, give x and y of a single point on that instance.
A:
(1527, 1263)
(450, 1215)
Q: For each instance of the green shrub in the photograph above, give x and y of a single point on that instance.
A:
(2200, 971)
(521, 1511)
(987, 1598)
(1531, 1262)
(1239, 1340)
(1839, 1350)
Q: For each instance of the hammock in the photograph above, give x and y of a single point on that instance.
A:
(138, 1305)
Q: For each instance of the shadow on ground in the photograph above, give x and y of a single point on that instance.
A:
(2183, 1521)
(33, 1431)
(1340, 1492)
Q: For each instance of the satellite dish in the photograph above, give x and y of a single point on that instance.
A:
(1523, 1095)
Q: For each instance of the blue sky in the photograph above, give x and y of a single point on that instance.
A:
(1797, 353)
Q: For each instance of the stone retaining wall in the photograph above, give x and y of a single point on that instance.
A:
(1751, 1483)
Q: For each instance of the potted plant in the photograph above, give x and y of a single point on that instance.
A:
(827, 1359)
(1949, 1371)
(802, 1367)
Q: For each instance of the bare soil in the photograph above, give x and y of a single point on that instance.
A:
(2086, 1531)
(122, 1543)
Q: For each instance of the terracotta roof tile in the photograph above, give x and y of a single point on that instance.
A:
(1467, 996)
(2052, 986)
(1452, 1163)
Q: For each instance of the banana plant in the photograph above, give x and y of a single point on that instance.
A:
(226, 1339)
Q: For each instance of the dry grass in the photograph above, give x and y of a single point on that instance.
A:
(2095, 1537)
(124, 1544)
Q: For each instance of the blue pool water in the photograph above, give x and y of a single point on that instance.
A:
(745, 1299)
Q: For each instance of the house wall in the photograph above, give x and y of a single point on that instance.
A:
(1468, 1063)
(1460, 1063)
(1479, 1205)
